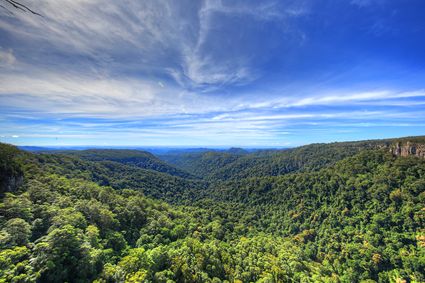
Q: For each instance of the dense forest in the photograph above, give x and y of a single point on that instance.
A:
(339, 212)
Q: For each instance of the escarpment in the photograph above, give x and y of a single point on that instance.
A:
(11, 174)
(408, 149)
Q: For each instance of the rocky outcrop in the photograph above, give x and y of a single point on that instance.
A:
(408, 149)
(11, 183)
(11, 173)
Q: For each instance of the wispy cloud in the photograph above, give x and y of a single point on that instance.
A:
(149, 36)
(208, 72)
(6, 57)
(203, 66)
(353, 97)
(149, 58)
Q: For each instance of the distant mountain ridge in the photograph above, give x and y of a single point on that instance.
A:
(234, 164)
(141, 159)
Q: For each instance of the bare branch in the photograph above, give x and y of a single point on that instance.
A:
(1, 6)
(20, 6)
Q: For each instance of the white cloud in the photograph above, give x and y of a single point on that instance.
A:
(202, 68)
(71, 95)
(141, 35)
(335, 98)
(109, 58)
(7, 58)
(129, 63)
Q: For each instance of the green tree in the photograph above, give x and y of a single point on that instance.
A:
(63, 256)
(18, 231)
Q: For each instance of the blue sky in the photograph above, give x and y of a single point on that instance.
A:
(211, 73)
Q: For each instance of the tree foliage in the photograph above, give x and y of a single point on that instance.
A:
(355, 216)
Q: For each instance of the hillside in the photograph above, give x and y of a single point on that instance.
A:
(341, 212)
(141, 159)
(229, 165)
(201, 164)
(118, 175)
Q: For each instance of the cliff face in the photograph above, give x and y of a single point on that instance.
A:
(10, 183)
(11, 174)
(407, 149)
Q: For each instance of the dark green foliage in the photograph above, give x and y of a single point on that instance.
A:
(369, 205)
(10, 170)
(321, 213)
(118, 176)
(202, 164)
(234, 166)
(141, 159)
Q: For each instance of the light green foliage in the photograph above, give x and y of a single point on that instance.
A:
(16, 232)
(14, 265)
(321, 213)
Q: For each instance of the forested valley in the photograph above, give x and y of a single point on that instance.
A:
(338, 212)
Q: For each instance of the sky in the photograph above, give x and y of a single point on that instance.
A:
(211, 73)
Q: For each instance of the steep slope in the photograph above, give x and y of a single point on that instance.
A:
(280, 162)
(119, 176)
(202, 164)
(141, 159)
(409, 146)
(356, 215)
(219, 165)
(11, 175)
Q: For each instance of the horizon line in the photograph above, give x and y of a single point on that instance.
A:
(216, 146)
